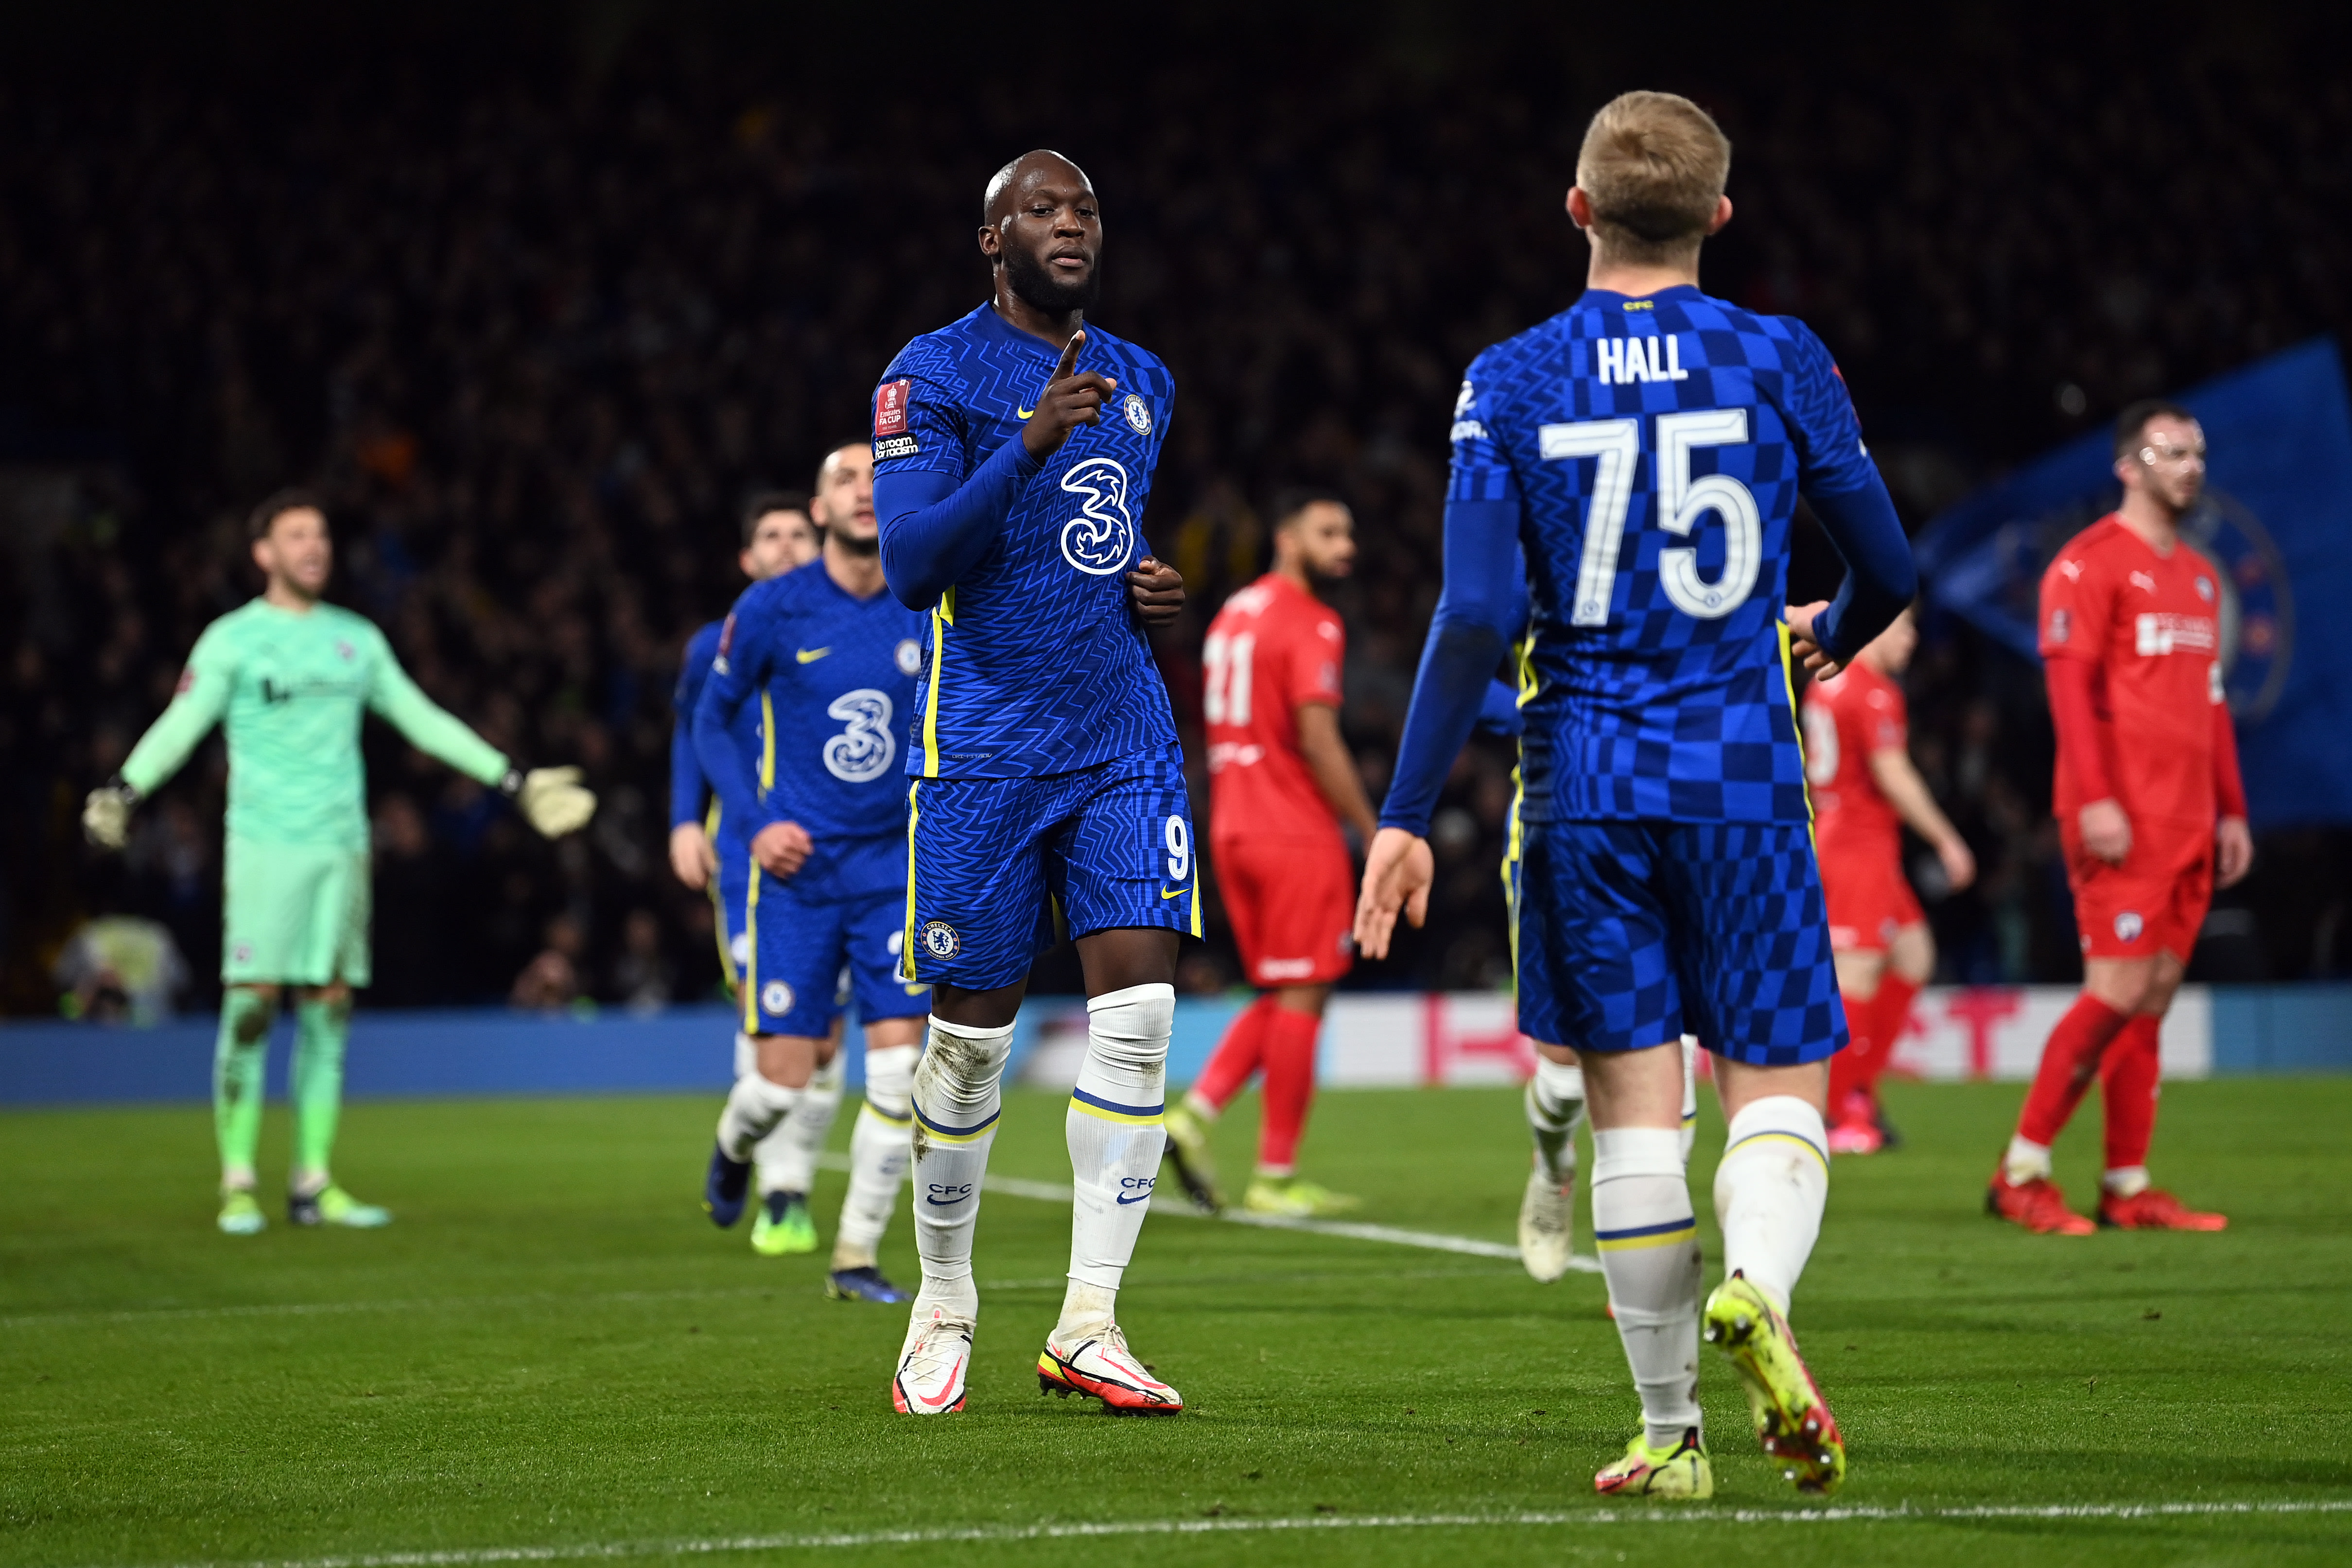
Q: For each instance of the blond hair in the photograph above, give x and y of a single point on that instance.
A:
(1654, 167)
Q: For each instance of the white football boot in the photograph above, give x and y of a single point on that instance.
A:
(931, 1365)
(1102, 1367)
(1546, 1224)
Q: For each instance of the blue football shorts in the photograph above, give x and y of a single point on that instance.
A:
(994, 866)
(1629, 934)
(826, 934)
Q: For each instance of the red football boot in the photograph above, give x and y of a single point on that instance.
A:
(1857, 1131)
(2037, 1204)
(2153, 1208)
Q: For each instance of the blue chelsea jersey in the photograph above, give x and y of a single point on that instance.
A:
(1657, 446)
(689, 789)
(838, 676)
(1038, 663)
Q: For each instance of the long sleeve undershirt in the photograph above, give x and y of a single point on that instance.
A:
(2229, 787)
(732, 775)
(1475, 616)
(2083, 739)
(934, 529)
(1881, 578)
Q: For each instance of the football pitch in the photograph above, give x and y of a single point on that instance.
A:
(552, 1356)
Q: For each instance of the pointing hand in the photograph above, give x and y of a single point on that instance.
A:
(1069, 400)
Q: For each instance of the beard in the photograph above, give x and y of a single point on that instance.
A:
(870, 545)
(1034, 282)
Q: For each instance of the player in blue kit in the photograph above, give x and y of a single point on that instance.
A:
(1647, 446)
(1013, 455)
(830, 658)
(707, 853)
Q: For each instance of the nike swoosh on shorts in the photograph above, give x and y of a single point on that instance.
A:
(810, 655)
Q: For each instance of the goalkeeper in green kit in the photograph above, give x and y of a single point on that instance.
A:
(287, 675)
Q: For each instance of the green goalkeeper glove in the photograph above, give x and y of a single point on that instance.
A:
(106, 814)
(552, 800)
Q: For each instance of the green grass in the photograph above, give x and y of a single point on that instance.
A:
(551, 1347)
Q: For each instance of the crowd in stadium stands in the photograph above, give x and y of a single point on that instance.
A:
(536, 337)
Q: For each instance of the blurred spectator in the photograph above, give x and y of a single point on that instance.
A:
(120, 968)
(550, 983)
(534, 326)
(641, 976)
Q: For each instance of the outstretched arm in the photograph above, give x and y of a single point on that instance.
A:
(426, 725)
(552, 800)
(197, 706)
(202, 698)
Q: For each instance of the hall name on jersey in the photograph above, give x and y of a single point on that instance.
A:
(1619, 361)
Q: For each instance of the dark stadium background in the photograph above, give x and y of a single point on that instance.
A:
(535, 293)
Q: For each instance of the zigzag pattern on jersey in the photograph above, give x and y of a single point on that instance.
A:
(1659, 714)
(778, 620)
(1000, 864)
(1044, 667)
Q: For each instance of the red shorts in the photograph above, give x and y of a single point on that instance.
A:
(1292, 903)
(1869, 900)
(2154, 902)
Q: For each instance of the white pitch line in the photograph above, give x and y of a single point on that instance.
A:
(1901, 1514)
(1432, 1241)
(1011, 1187)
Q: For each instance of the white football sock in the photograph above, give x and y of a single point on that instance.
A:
(2024, 1161)
(1555, 1102)
(1769, 1192)
(747, 1054)
(787, 1157)
(1690, 1097)
(1642, 1220)
(879, 1155)
(1115, 1130)
(2125, 1181)
(754, 1108)
(956, 1097)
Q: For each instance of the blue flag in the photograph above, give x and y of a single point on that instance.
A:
(2276, 518)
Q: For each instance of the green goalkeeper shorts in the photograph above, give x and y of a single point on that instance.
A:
(294, 914)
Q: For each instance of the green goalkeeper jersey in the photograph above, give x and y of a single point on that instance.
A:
(289, 687)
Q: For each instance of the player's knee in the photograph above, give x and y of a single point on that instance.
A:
(1131, 1024)
(254, 1007)
(1307, 999)
(2125, 986)
(1858, 974)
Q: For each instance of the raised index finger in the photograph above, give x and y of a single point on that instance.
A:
(1070, 355)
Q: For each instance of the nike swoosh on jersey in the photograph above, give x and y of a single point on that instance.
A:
(1023, 412)
(810, 655)
(1177, 893)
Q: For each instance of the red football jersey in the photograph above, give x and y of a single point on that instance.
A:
(1847, 718)
(1273, 646)
(2151, 625)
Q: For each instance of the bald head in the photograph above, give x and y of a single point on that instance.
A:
(1043, 235)
(1003, 184)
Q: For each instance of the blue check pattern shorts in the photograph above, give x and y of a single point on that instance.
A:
(1629, 934)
